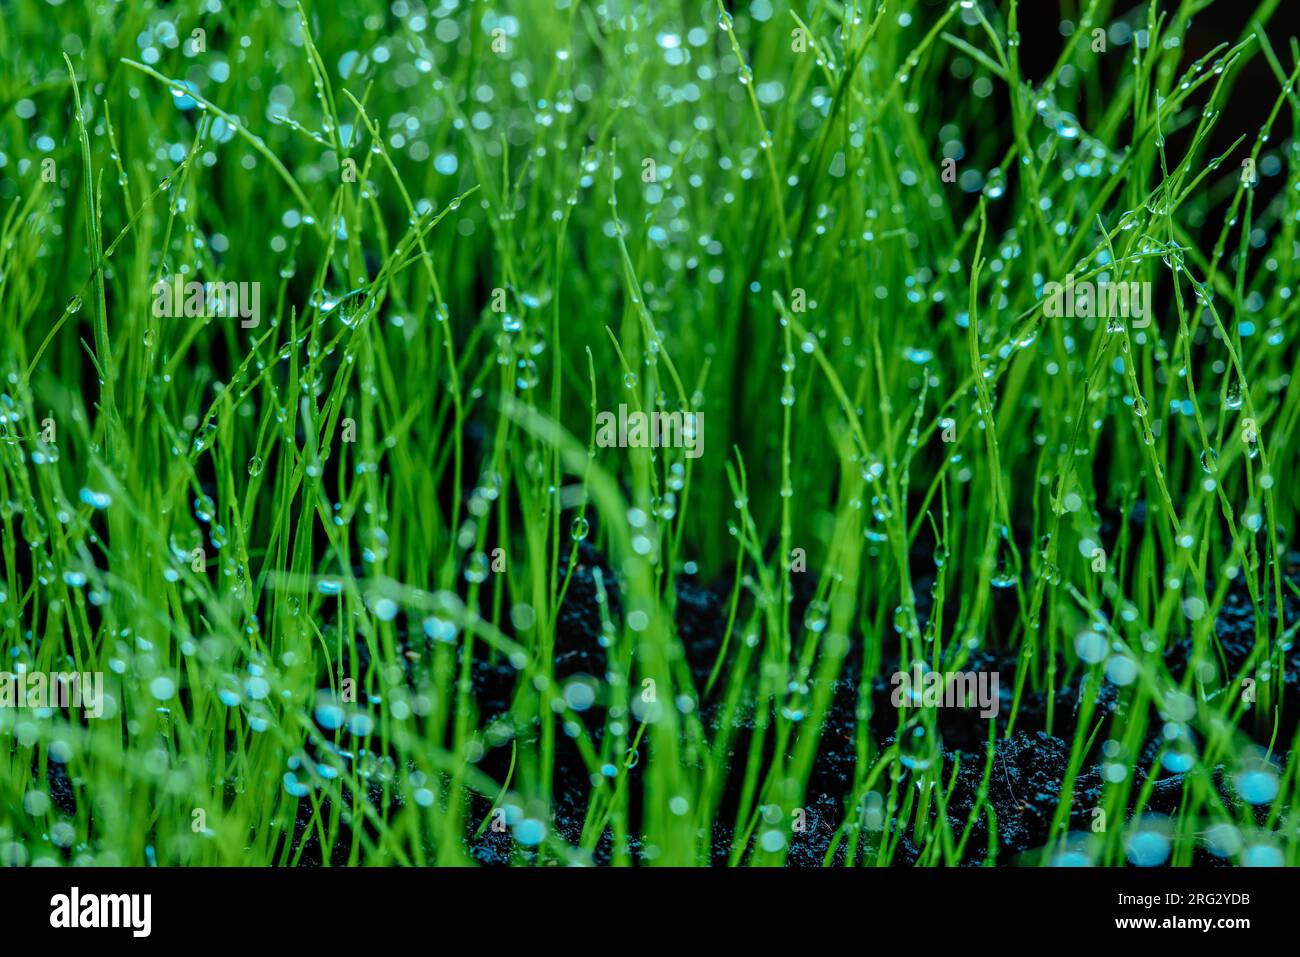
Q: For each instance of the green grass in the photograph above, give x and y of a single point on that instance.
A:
(798, 271)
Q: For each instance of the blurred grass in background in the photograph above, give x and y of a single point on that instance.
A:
(564, 206)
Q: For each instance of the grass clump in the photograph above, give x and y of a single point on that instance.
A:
(368, 584)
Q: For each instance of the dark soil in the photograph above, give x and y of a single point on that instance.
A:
(1028, 770)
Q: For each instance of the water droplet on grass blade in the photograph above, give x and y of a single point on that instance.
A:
(1256, 781)
(440, 629)
(97, 500)
(1006, 562)
(526, 376)
(918, 747)
(530, 832)
(1180, 749)
(476, 569)
(1148, 846)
